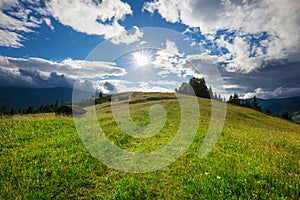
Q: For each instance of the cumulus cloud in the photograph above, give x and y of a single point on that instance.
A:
(26, 78)
(128, 38)
(278, 92)
(119, 86)
(90, 17)
(169, 60)
(240, 58)
(72, 68)
(280, 20)
(18, 17)
(38, 72)
(268, 79)
(95, 18)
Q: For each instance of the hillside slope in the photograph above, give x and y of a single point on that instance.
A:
(256, 157)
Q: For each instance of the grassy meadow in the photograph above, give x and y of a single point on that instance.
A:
(257, 156)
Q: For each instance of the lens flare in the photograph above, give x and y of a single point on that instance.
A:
(141, 59)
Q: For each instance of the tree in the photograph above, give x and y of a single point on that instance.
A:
(56, 105)
(210, 92)
(285, 115)
(30, 110)
(42, 108)
(268, 111)
(12, 111)
(230, 98)
(52, 108)
(219, 97)
(199, 87)
(255, 104)
(215, 96)
(3, 110)
(100, 94)
(235, 99)
(235, 96)
(247, 103)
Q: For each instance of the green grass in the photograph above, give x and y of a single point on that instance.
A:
(256, 157)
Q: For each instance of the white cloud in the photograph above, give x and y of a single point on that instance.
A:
(26, 78)
(48, 22)
(10, 39)
(280, 19)
(258, 92)
(193, 44)
(101, 18)
(119, 86)
(14, 23)
(89, 17)
(240, 56)
(206, 57)
(86, 16)
(169, 60)
(277, 93)
(38, 72)
(127, 38)
(168, 9)
(231, 86)
(116, 86)
(72, 68)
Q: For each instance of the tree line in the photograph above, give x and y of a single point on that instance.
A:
(254, 104)
(43, 108)
(198, 87)
(234, 99)
(195, 86)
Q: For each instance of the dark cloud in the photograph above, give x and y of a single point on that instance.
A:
(108, 86)
(72, 68)
(33, 79)
(275, 81)
(41, 73)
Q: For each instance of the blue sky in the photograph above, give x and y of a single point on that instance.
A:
(248, 46)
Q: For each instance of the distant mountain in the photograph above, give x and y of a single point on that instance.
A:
(21, 98)
(280, 105)
(275, 108)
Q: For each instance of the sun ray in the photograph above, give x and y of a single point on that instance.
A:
(141, 59)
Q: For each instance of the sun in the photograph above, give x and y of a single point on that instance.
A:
(141, 59)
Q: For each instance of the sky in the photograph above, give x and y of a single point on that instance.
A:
(251, 47)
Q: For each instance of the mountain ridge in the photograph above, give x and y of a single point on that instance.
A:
(21, 98)
(279, 105)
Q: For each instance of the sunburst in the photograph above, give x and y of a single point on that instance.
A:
(141, 59)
